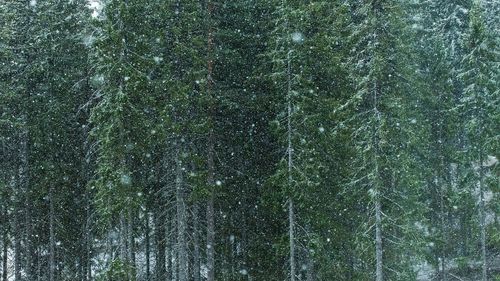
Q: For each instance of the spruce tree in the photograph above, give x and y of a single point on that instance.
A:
(479, 106)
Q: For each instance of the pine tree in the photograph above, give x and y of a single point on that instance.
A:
(479, 103)
(383, 136)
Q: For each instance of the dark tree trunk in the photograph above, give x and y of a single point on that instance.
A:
(148, 253)
(182, 255)
(5, 249)
(211, 151)
(196, 242)
(160, 244)
(52, 240)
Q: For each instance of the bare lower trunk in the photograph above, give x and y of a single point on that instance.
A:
(210, 239)
(160, 242)
(109, 247)
(131, 241)
(88, 236)
(123, 239)
(52, 242)
(291, 211)
(172, 251)
(378, 240)
(24, 187)
(28, 240)
(182, 255)
(211, 147)
(39, 265)
(233, 261)
(291, 237)
(210, 211)
(17, 242)
(196, 242)
(5, 250)
(443, 228)
(482, 214)
(147, 250)
(379, 266)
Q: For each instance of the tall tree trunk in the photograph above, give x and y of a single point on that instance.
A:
(196, 242)
(160, 269)
(378, 239)
(5, 242)
(28, 239)
(24, 187)
(123, 239)
(291, 237)
(147, 250)
(443, 229)
(442, 188)
(5, 232)
(211, 151)
(88, 237)
(233, 255)
(379, 266)
(171, 252)
(291, 211)
(210, 220)
(52, 240)
(39, 265)
(131, 240)
(482, 217)
(182, 255)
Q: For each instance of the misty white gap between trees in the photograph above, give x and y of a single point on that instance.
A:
(232, 140)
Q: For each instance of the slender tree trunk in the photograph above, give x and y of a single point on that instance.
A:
(196, 242)
(147, 250)
(52, 242)
(131, 241)
(24, 186)
(378, 240)
(379, 266)
(440, 185)
(210, 222)
(233, 255)
(172, 260)
(160, 244)
(441, 256)
(28, 239)
(443, 230)
(211, 151)
(482, 215)
(210, 227)
(88, 237)
(5, 232)
(39, 265)
(291, 211)
(5, 249)
(109, 247)
(182, 254)
(291, 237)
(123, 239)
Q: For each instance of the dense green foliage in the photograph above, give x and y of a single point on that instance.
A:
(249, 140)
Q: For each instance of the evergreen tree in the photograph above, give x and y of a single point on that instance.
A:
(384, 121)
(479, 103)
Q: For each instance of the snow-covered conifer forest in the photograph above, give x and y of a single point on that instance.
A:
(238, 140)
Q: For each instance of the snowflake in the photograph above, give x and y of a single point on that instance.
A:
(297, 37)
(158, 59)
